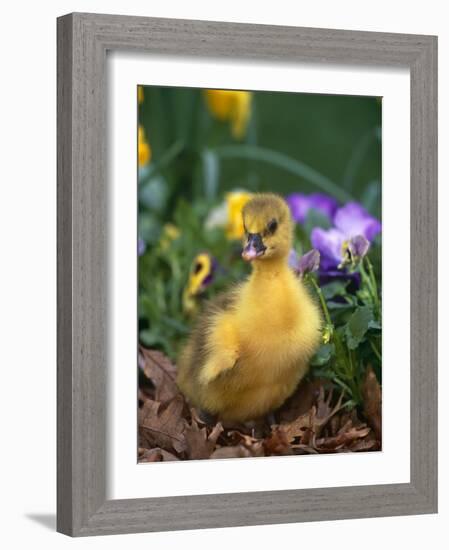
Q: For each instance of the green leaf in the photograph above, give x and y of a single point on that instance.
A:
(323, 355)
(337, 306)
(375, 325)
(323, 372)
(336, 288)
(358, 324)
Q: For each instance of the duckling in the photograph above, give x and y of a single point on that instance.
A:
(251, 345)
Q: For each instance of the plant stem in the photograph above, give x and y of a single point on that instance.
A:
(373, 285)
(375, 350)
(322, 301)
(343, 355)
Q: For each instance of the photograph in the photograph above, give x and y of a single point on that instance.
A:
(259, 253)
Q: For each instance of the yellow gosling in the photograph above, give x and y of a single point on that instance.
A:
(251, 346)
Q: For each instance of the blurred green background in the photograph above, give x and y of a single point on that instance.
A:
(191, 156)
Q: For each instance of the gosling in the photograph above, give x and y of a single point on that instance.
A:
(252, 345)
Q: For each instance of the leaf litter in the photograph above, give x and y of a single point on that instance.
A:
(316, 419)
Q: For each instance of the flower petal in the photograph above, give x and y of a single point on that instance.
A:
(324, 204)
(358, 247)
(300, 205)
(235, 201)
(231, 105)
(354, 251)
(141, 246)
(329, 243)
(352, 219)
(309, 262)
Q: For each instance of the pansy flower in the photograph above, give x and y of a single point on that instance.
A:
(231, 106)
(143, 148)
(235, 202)
(354, 251)
(351, 222)
(229, 214)
(301, 204)
(201, 275)
(308, 263)
(141, 246)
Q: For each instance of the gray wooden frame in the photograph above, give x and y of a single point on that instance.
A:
(83, 40)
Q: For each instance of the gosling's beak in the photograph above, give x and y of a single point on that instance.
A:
(254, 247)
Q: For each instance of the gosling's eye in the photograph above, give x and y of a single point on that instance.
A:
(272, 226)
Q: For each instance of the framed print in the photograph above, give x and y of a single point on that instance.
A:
(247, 280)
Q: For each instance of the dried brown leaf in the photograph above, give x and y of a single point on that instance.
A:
(324, 409)
(345, 436)
(312, 421)
(298, 427)
(158, 368)
(308, 426)
(155, 455)
(277, 443)
(162, 425)
(372, 401)
(364, 445)
(253, 444)
(198, 444)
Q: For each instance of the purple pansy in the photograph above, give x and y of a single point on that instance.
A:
(358, 248)
(353, 251)
(309, 262)
(350, 221)
(141, 246)
(300, 205)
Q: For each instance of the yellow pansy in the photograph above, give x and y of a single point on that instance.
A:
(169, 233)
(235, 202)
(201, 275)
(144, 149)
(140, 95)
(231, 106)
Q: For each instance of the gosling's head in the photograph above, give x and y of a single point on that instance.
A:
(268, 228)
